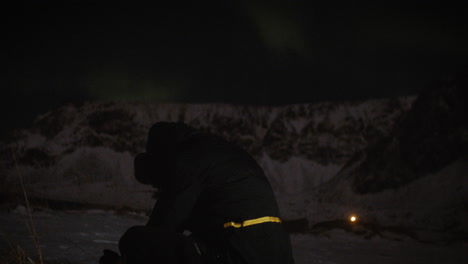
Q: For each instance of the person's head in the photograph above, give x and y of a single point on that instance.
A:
(156, 165)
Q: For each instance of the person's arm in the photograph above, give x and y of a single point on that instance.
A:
(175, 205)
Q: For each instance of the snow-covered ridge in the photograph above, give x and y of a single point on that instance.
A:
(85, 152)
(324, 160)
(416, 176)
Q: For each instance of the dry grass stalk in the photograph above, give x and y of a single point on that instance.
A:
(30, 225)
(14, 254)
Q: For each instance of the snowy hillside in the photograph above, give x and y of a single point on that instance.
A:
(84, 153)
(414, 177)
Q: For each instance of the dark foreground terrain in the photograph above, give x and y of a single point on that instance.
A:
(79, 236)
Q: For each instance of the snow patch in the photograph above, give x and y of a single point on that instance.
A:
(102, 241)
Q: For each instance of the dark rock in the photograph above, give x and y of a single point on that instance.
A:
(425, 140)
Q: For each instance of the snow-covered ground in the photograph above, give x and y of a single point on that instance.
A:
(75, 237)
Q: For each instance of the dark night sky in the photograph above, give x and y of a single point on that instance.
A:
(245, 52)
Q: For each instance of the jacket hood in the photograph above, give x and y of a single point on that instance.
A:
(157, 164)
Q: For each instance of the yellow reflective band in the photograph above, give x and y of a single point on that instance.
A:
(260, 220)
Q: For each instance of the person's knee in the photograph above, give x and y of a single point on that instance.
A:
(141, 244)
(137, 238)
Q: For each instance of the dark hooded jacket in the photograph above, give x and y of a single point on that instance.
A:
(206, 182)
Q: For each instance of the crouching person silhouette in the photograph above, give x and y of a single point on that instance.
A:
(212, 189)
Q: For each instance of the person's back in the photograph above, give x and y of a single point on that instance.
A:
(219, 193)
(232, 190)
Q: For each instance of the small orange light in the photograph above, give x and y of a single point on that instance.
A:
(353, 218)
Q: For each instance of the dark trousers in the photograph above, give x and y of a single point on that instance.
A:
(145, 245)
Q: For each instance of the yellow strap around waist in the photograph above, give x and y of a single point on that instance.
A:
(255, 221)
